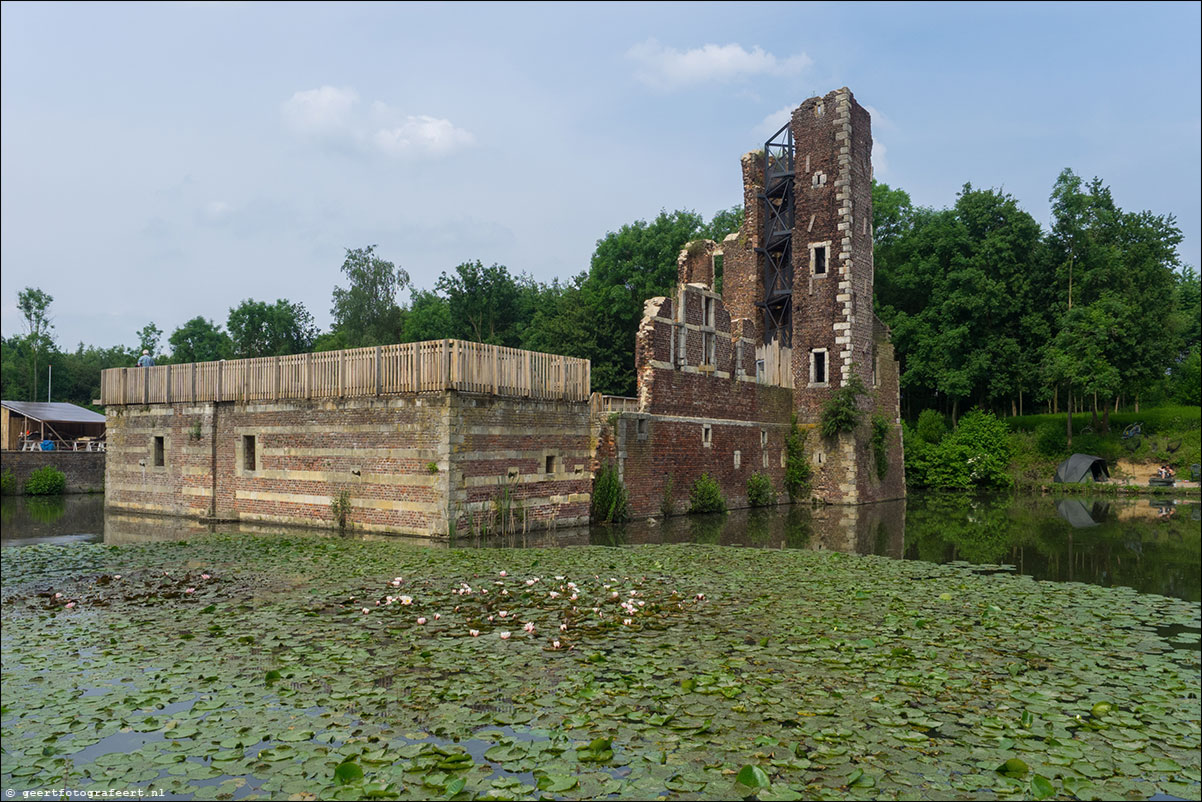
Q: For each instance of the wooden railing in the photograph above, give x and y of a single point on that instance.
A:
(382, 370)
(599, 403)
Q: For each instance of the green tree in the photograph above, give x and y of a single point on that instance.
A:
(35, 309)
(1117, 271)
(960, 288)
(636, 262)
(148, 338)
(199, 340)
(892, 215)
(427, 318)
(257, 328)
(367, 313)
(482, 303)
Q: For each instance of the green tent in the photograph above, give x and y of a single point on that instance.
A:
(1082, 468)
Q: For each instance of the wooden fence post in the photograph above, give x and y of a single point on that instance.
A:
(167, 389)
(192, 399)
(342, 373)
(379, 372)
(220, 378)
(446, 365)
(308, 375)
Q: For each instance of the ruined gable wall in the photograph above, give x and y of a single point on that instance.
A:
(695, 415)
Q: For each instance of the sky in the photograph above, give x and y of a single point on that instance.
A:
(163, 161)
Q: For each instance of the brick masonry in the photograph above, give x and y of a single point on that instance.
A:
(84, 470)
(713, 398)
(696, 371)
(411, 464)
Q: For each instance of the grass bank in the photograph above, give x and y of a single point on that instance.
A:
(263, 667)
(1170, 435)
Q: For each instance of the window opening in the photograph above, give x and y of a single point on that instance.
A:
(707, 434)
(158, 451)
(550, 467)
(248, 452)
(820, 260)
(818, 367)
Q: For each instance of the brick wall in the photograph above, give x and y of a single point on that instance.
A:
(530, 457)
(84, 470)
(700, 408)
(832, 310)
(407, 462)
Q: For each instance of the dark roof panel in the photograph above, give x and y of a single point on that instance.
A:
(54, 412)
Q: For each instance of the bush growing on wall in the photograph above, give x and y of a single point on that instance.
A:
(46, 481)
(880, 451)
(842, 412)
(797, 469)
(8, 483)
(706, 496)
(609, 496)
(759, 491)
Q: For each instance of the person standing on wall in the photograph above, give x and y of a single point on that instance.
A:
(146, 360)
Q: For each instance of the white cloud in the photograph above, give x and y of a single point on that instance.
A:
(665, 67)
(880, 164)
(215, 212)
(331, 114)
(421, 133)
(879, 120)
(773, 122)
(325, 111)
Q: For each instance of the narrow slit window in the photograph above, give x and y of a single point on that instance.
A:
(709, 312)
(248, 452)
(707, 434)
(820, 260)
(641, 428)
(550, 466)
(818, 367)
(159, 460)
(763, 438)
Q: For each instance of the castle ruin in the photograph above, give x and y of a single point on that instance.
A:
(446, 436)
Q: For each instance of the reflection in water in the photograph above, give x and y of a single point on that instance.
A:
(51, 519)
(1151, 545)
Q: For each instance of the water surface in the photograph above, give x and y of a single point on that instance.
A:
(1151, 545)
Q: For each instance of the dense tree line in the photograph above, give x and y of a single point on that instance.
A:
(990, 311)
(594, 315)
(987, 309)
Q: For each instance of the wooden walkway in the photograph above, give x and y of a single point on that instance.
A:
(430, 366)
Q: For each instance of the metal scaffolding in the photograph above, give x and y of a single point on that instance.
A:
(776, 242)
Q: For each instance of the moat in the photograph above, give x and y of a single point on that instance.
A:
(1149, 544)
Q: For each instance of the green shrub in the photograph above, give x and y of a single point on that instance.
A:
(46, 481)
(706, 496)
(880, 444)
(8, 483)
(340, 506)
(797, 469)
(760, 492)
(842, 413)
(609, 496)
(975, 455)
(931, 426)
(1050, 439)
(667, 504)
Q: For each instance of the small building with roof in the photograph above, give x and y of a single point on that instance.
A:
(26, 425)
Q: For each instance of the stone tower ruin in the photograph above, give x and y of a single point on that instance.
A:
(801, 269)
